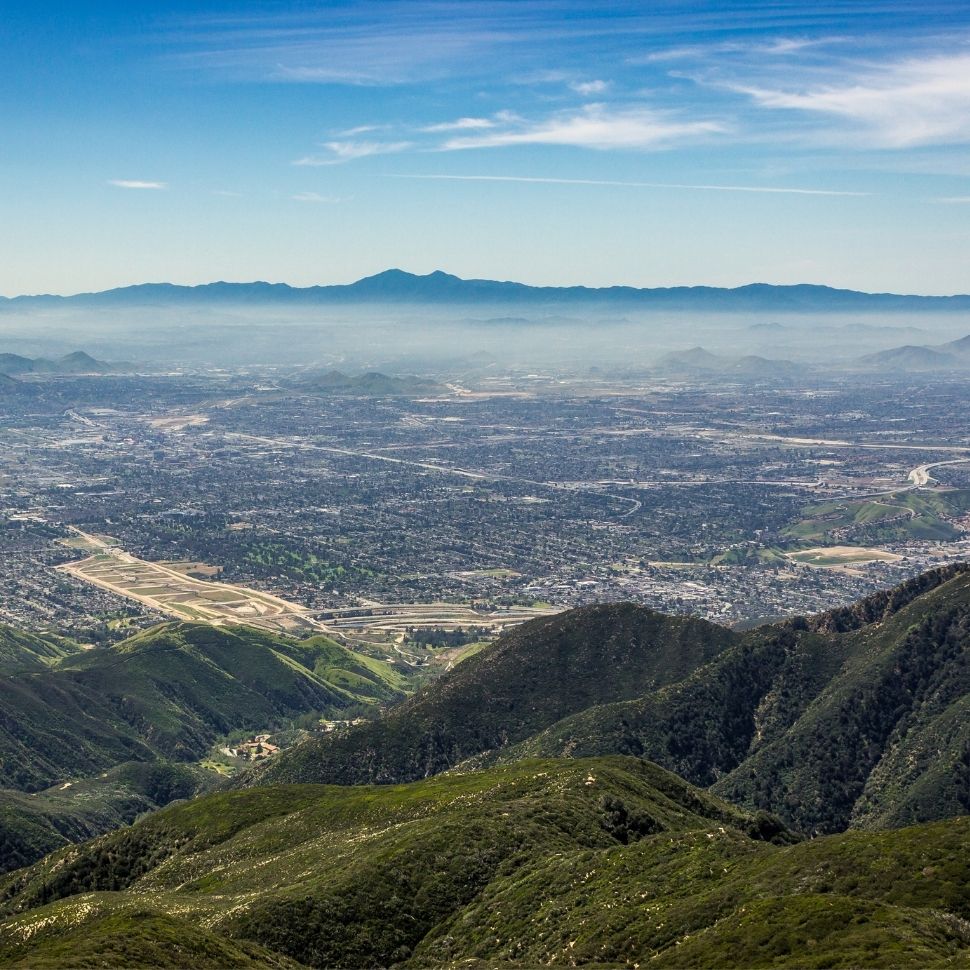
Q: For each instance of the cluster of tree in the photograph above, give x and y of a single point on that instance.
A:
(624, 824)
(267, 559)
(107, 868)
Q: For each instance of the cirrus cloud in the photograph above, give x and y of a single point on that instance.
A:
(617, 183)
(315, 197)
(596, 126)
(461, 124)
(346, 151)
(136, 184)
(918, 101)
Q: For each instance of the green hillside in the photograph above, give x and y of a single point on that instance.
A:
(371, 384)
(166, 694)
(169, 692)
(853, 718)
(588, 862)
(890, 518)
(34, 824)
(856, 717)
(29, 651)
(887, 741)
(718, 899)
(533, 676)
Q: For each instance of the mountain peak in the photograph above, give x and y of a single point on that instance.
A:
(388, 275)
(79, 357)
(402, 278)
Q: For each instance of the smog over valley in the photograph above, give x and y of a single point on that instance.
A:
(485, 485)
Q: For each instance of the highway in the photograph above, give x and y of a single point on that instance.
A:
(634, 504)
(921, 477)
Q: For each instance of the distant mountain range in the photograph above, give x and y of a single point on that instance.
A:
(397, 286)
(13, 365)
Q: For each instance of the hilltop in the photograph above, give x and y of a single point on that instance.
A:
(698, 362)
(530, 678)
(78, 362)
(398, 286)
(372, 384)
(606, 861)
(852, 718)
(951, 356)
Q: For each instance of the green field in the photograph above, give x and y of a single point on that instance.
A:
(840, 556)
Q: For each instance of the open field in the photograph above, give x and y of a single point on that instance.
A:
(196, 570)
(79, 543)
(178, 422)
(172, 592)
(841, 555)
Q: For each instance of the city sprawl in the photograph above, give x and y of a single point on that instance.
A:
(467, 506)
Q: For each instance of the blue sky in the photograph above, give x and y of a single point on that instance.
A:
(550, 142)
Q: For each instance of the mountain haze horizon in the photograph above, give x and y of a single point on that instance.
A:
(440, 286)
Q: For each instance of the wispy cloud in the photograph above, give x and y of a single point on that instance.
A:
(953, 200)
(136, 184)
(365, 43)
(461, 124)
(336, 48)
(596, 126)
(314, 197)
(319, 74)
(772, 47)
(770, 189)
(544, 76)
(789, 45)
(346, 151)
(592, 126)
(918, 101)
(360, 130)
